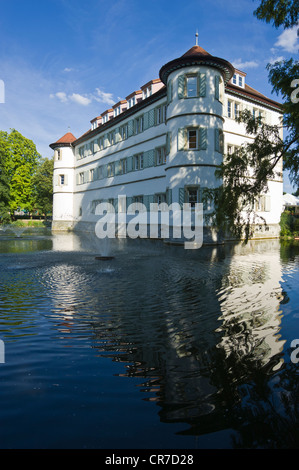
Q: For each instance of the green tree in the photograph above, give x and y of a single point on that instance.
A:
(234, 200)
(43, 186)
(20, 165)
(4, 184)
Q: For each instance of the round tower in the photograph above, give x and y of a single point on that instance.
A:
(195, 89)
(63, 183)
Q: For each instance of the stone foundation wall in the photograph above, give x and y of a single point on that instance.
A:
(210, 235)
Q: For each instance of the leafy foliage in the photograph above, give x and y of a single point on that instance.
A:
(20, 159)
(4, 183)
(43, 186)
(280, 12)
(244, 174)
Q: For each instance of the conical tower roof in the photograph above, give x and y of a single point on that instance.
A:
(197, 56)
(196, 51)
(64, 141)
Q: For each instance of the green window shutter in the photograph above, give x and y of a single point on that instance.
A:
(129, 201)
(181, 196)
(169, 196)
(217, 142)
(151, 200)
(217, 81)
(146, 120)
(203, 138)
(203, 199)
(129, 164)
(115, 204)
(130, 128)
(146, 202)
(65, 180)
(145, 159)
(169, 91)
(221, 140)
(151, 118)
(168, 143)
(155, 116)
(181, 86)
(202, 85)
(151, 158)
(104, 171)
(181, 139)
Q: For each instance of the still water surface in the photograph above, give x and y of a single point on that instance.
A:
(159, 348)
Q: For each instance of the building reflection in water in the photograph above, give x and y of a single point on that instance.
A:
(200, 330)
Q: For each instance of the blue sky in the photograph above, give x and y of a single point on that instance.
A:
(64, 62)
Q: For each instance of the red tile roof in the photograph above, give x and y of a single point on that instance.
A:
(68, 138)
(65, 140)
(196, 50)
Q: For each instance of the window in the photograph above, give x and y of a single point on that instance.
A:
(123, 131)
(136, 200)
(161, 114)
(235, 79)
(237, 110)
(61, 180)
(81, 177)
(131, 102)
(229, 109)
(192, 139)
(240, 80)
(81, 152)
(110, 170)
(111, 137)
(191, 86)
(160, 198)
(123, 163)
(160, 156)
(138, 161)
(192, 195)
(57, 154)
(263, 204)
(91, 174)
(138, 125)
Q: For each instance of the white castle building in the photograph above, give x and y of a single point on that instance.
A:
(162, 144)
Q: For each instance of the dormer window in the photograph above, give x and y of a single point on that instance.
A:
(239, 79)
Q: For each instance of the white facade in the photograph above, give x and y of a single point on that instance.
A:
(162, 144)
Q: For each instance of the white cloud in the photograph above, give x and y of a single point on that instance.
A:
(240, 65)
(61, 96)
(288, 40)
(84, 100)
(67, 69)
(103, 97)
(76, 98)
(276, 59)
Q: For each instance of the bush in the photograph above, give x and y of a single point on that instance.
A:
(286, 224)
